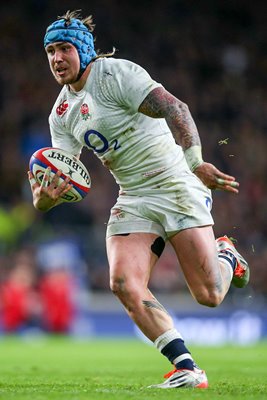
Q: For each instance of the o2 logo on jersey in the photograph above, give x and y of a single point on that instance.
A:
(98, 142)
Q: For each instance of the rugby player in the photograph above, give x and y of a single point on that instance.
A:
(149, 141)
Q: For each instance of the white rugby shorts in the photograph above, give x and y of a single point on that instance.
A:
(183, 204)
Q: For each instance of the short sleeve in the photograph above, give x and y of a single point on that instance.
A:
(131, 84)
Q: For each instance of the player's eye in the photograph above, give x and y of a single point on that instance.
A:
(65, 48)
(50, 51)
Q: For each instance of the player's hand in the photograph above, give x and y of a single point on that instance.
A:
(49, 193)
(215, 179)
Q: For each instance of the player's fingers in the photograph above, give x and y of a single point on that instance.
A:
(64, 186)
(55, 180)
(66, 189)
(31, 179)
(227, 186)
(46, 177)
(225, 182)
(231, 189)
(65, 182)
(60, 187)
(226, 177)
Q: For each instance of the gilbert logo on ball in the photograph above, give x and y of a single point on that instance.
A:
(71, 166)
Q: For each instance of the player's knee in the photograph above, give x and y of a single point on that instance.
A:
(128, 293)
(209, 298)
(117, 285)
(120, 286)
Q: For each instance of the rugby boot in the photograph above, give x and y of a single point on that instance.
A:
(184, 378)
(241, 271)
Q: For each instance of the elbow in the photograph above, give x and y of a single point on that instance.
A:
(183, 107)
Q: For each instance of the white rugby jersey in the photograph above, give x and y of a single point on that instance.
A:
(139, 151)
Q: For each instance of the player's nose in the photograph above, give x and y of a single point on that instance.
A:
(57, 56)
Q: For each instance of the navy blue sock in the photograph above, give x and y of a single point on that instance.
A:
(177, 348)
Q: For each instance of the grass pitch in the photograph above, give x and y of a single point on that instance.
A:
(64, 368)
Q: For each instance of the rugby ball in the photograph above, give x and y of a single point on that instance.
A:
(71, 166)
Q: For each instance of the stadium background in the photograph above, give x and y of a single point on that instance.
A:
(210, 54)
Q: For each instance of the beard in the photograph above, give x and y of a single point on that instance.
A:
(65, 76)
(65, 81)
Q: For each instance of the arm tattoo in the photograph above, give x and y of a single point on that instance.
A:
(159, 103)
(154, 304)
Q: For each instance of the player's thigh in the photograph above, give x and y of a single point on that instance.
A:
(132, 257)
(197, 254)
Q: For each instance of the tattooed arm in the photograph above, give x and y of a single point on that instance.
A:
(159, 103)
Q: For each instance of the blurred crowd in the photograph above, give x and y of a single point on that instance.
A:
(210, 54)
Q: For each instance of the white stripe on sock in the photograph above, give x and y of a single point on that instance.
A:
(166, 338)
(182, 357)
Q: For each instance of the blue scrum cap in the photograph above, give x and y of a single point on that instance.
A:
(76, 33)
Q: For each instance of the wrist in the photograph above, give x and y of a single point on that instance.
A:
(193, 156)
